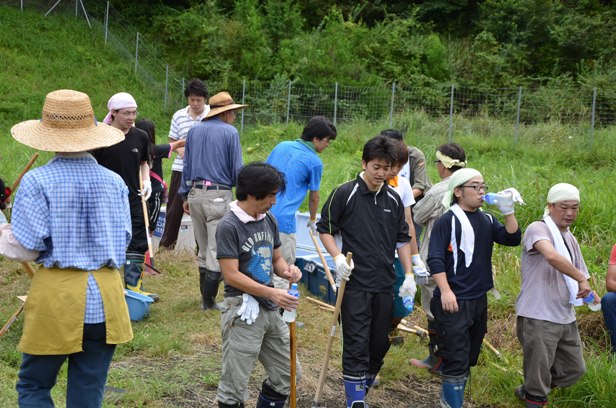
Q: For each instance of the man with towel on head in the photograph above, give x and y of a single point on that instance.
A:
(554, 280)
(129, 159)
(460, 262)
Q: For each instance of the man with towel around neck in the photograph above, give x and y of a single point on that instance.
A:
(460, 262)
(554, 280)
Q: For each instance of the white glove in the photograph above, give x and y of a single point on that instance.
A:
(146, 192)
(312, 225)
(343, 269)
(408, 287)
(419, 270)
(507, 199)
(249, 311)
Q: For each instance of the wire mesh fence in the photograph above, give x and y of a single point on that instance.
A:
(281, 100)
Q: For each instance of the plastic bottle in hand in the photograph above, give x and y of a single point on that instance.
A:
(409, 303)
(492, 198)
(290, 316)
(589, 301)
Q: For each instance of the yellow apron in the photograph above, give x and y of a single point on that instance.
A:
(55, 310)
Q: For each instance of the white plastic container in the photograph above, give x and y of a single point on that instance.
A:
(186, 235)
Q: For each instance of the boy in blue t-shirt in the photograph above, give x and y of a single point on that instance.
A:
(299, 161)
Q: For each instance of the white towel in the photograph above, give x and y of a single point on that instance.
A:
(561, 248)
(467, 238)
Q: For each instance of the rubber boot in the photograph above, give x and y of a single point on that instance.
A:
(452, 391)
(133, 275)
(264, 402)
(371, 381)
(355, 390)
(210, 290)
(270, 398)
(202, 275)
(238, 405)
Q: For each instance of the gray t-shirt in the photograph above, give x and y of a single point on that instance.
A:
(544, 294)
(252, 244)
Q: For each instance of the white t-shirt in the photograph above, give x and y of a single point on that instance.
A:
(544, 294)
(405, 191)
(180, 125)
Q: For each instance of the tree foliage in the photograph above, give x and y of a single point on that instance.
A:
(485, 44)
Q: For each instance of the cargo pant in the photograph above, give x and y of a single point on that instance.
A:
(266, 340)
(207, 207)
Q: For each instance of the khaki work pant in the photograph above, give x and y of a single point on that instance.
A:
(266, 340)
(207, 207)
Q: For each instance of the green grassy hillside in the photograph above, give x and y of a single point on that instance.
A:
(41, 54)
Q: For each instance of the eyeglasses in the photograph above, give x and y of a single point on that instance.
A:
(477, 187)
(129, 114)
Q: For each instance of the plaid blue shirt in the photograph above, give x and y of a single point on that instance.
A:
(76, 214)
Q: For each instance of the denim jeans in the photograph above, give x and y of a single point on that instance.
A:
(87, 373)
(608, 306)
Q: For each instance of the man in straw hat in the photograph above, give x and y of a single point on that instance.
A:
(129, 159)
(460, 262)
(212, 160)
(554, 280)
(76, 308)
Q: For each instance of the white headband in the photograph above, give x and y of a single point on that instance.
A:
(457, 179)
(120, 100)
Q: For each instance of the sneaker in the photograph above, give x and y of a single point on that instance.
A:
(520, 393)
(432, 363)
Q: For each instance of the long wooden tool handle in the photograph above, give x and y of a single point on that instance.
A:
(28, 268)
(328, 273)
(146, 218)
(332, 334)
(293, 341)
(24, 171)
(11, 320)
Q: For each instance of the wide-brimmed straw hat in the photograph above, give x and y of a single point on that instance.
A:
(222, 102)
(68, 125)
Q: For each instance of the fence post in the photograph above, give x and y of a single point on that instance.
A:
(517, 116)
(166, 84)
(243, 102)
(288, 102)
(76, 8)
(450, 114)
(391, 105)
(336, 104)
(137, 52)
(592, 116)
(22, 5)
(106, 22)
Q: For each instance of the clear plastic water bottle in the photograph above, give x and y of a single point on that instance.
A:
(492, 198)
(589, 301)
(290, 316)
(408, 302)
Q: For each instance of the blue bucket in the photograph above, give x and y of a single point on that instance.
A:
(138, 304)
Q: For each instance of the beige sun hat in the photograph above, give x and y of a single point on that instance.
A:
(222, 102)
(68, 125)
